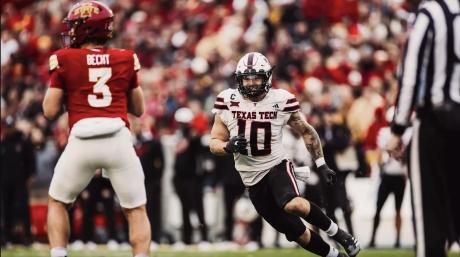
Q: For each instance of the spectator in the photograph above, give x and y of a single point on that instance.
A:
(17, 168)
(393, 174)
(340, 155)
(98, 197)
(233, 190)
(187, 182)
(150, 152)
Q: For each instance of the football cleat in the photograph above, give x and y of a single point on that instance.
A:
(348, 242)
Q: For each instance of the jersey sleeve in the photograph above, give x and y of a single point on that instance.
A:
(290, 103)
(56, 80)
(220, 105)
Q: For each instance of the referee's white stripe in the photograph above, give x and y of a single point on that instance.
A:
(411, 64)
(453, 5)
(417, 190)
(455, 83)
(440, 53)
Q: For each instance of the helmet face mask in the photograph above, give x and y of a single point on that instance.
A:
(253, 66)
(254, 89)
(88, 21)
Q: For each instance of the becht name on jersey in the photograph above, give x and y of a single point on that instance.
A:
(97, 59)
(253, 115)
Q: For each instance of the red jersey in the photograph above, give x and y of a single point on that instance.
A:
(96, 82)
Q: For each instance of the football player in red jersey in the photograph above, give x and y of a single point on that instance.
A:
(99, 87)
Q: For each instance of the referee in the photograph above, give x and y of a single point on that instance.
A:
(430, 85)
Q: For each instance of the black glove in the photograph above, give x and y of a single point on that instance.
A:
(327, 174)
(236, 144)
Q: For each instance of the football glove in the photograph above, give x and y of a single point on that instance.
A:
(236, 144)
(327, 174)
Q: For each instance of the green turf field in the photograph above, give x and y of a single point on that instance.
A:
(259, 253)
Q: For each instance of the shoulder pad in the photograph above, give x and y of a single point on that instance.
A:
(286, 100)
(227, 95)
(53, 62)
(137, 64)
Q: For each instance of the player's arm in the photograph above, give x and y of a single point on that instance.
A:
(52, 102)
(313, 143)
(308, 133)
(136, 101)
(54, 96)
(219, 136)
(135, 94)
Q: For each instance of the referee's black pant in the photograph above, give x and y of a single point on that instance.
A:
(435, 179)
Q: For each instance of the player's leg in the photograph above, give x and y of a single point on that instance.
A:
(344, 201)
(124, 170)
(382, 196)
(58, 227)
(331, 201)
(264, 201)
(310, 238)
(199, 208)
(139, 230)
(399, 185)
(231, 194)
(184, 190)
(71, 176)
(285, 191)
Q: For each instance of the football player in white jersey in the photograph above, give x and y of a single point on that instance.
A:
(248, 124)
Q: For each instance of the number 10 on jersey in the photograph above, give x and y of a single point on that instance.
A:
(265, 128)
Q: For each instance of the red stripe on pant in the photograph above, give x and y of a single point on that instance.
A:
(291, 175)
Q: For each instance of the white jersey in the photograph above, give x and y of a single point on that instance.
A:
(261, 123)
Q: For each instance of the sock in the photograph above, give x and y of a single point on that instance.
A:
(318, 218)
(332, 230)
(318, 246)
(141, 255)
(58, 252)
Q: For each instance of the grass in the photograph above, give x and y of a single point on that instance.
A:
(23, 252)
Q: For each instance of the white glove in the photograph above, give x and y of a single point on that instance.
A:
(302, 173)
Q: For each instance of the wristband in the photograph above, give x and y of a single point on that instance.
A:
(320, 162)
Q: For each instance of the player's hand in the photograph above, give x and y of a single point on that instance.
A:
(327, 174)
(236, 144)
(396, 147)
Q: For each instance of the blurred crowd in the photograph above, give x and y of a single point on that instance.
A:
(339, 58)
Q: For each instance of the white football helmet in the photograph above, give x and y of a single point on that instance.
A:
(251, 64)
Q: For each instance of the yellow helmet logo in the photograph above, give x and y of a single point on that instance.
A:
(86, 10)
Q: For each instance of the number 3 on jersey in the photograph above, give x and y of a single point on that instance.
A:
(100, 76)
(254, 132)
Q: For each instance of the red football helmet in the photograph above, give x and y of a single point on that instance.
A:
(88, 20)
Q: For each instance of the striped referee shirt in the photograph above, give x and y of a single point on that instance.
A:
(430, 69)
